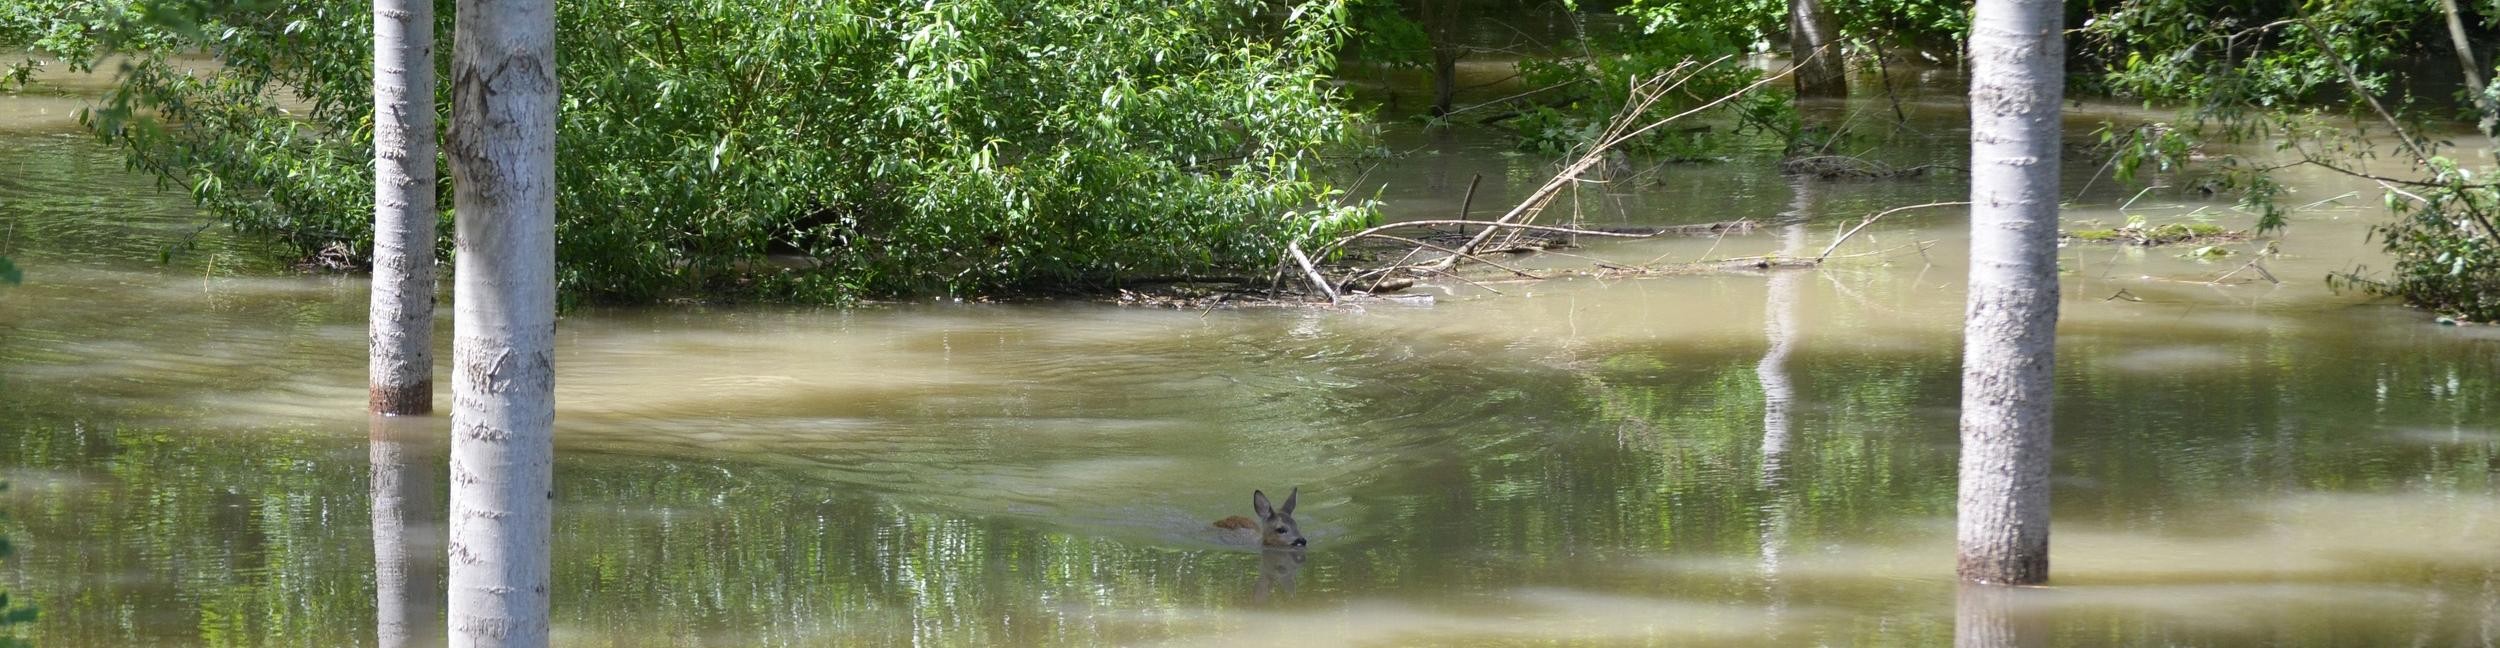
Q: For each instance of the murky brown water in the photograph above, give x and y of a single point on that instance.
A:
(1677, 460)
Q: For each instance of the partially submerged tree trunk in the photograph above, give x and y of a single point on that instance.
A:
(1441, 26)
(1814, 47)
(2010, 333)
(401, 324)
(502, 150)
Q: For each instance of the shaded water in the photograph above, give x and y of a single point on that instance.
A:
(1683, 460)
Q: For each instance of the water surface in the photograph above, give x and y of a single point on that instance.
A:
(1738, 459)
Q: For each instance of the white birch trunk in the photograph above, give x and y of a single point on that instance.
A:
(502, 150)
(1814, 47)
(2010, 332)
(401, 322)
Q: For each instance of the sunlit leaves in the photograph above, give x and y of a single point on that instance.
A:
(2307, 75)
(953, 146)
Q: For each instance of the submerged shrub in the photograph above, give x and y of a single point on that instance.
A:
(2446, 257)
(876, 148)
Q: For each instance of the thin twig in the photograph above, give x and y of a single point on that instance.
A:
(1465, 280)
(1615, 135)
(1870, 220)
(1478, 259)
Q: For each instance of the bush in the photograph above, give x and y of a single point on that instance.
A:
(2442, 243)
(954, 146)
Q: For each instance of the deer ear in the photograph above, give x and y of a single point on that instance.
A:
(1258, 503)
(1297, 494)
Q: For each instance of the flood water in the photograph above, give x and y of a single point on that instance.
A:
(1737, 459)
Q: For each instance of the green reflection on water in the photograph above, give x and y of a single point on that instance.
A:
(189, 469)
(1582, 499)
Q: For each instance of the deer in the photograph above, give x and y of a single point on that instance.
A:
(1275, 524)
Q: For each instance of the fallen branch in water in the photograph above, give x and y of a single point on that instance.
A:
(2261, 271)
(1870, 220)
(1312, 272)
(1645, 94)
(1698, 229)
(1849, 167)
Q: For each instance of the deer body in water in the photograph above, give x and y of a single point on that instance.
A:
(1274, 524)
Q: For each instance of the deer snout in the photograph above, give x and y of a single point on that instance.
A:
(1298, 542)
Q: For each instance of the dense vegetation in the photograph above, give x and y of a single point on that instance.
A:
(819, 150)
(2326, 79)
(882, 148)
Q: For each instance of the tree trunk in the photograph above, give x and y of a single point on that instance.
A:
(401, 324)
(2011, 324)
(405, 600)
(2487, 113)
(502, 150)
(1814, 47)
(1441, 27)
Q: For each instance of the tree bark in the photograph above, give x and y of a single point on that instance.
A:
(2487, 113)
(1814, 47)
(1441, 27)
(2010, 332)
(502, 150)
(401, 322)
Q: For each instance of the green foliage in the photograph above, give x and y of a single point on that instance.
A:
(1381, 33)
(1603, 88)
(1742, 24)
(1929, 25)
(2319, 78)
(2227, 58)
(959, 146)
(9, 273)
(2442, 245)
(78, 32)
(1674, 30)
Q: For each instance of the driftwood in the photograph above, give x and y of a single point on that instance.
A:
(1870, 220)
(1374, 263)
(1645, 94)
(1517, 226)
(1845, 167)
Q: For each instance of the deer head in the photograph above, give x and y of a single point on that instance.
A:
(1276, 526)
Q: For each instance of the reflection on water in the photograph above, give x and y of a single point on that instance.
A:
(1723, 459)
(408, 532)
(1988, 616)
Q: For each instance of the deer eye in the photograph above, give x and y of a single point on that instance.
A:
(1280, 529)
